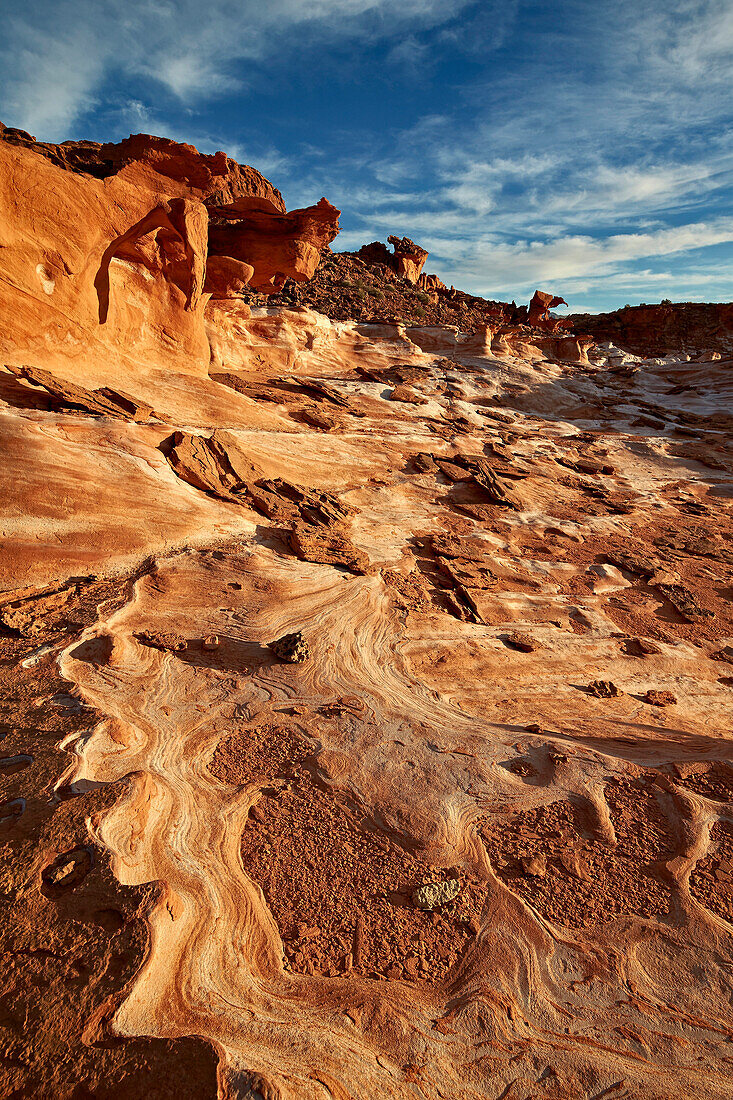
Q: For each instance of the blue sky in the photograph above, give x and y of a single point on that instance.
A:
(581, 147)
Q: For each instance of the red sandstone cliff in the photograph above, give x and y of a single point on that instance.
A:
(664, 328)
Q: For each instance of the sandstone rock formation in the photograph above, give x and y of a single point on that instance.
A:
(431, 282)
(215, 179)
(480, 842)
(406, 260)
(110, 248)
(227, 277)
(540, 306)
(278, 246)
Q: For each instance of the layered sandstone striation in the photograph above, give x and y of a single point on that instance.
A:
(366, 682)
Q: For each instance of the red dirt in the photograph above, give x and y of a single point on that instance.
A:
(588, 881)
(339, 889)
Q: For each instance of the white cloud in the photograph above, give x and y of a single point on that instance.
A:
(189, 75)
(578, 261)
(56, 54)
(267, 160)
(705, 41)
(410, 54)
(45, 81)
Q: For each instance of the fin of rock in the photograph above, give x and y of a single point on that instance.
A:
(318, 521)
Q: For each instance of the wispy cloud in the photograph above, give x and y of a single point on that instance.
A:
(55, 55)
(569, 258)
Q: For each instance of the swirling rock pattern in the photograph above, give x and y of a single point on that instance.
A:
(287, 813)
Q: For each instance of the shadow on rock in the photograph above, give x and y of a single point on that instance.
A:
(95, 651)
(230, 655)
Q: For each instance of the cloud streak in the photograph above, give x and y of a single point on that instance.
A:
(570, 258)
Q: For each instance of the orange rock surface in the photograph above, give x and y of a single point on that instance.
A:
(279, 246)
(702, 329)
(105, 256)
(406, 260)
(540, 306)
(415, 850)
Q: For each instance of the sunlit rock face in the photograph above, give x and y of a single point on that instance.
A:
(540, 306)
(213, 178)
(365, 682)
(107, 253)
(695, 328)
(406, 260)
(279, 246)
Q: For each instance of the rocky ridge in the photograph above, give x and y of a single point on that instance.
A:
(696, 328)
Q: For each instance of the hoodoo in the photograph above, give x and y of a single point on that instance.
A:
(406, 260)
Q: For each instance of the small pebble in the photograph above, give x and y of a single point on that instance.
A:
(660, 698)
(522, 642)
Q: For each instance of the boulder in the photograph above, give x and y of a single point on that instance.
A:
(227, 277)
(604, 689)
(291, 648)
(431, 895)
(657, 698)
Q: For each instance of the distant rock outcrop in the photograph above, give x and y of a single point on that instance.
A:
(540, 306)
(348, 287)
(646, 330)
(430, 283)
